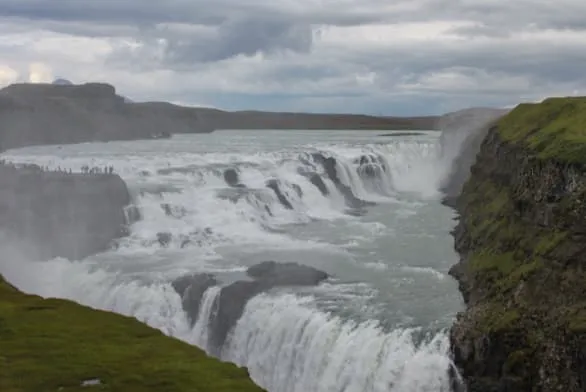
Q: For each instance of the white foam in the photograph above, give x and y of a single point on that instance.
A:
(288, 344)
(425, 270)
(290, 347)
(200, 331)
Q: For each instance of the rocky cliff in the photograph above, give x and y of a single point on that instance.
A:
(48, 214)
(59, 113)
(522, 241)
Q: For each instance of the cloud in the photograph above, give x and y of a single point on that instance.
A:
(7, 75)
(374, 56)
(40, 73)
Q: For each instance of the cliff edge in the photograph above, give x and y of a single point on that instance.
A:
(521, 237)
(47, 214)
(58, 345)
(462, 134)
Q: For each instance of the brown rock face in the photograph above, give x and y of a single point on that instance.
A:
(522, 241)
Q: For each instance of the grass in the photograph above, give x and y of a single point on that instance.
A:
(553, 129)
(56, 345)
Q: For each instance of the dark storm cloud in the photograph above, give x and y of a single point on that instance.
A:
(561, 14)
(269, 26)
(246, 36)
(493, 50)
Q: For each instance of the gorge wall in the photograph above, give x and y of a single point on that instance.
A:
(47, 214)
(521, 237)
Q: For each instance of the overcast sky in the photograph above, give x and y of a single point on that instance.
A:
(398, 57)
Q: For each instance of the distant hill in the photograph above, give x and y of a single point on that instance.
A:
(63, 112)
(219, 119)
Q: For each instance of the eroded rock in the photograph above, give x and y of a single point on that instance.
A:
(267, 275)
(191, 289)
(521, 237)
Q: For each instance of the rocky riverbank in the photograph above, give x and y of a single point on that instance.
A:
(521, 237)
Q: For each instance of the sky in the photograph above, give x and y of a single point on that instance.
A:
(383, 57)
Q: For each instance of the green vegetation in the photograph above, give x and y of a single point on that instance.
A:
(491, 219)
(554, 128)
(56, 345)
(496, 318)
(521, 236)
(577, 319)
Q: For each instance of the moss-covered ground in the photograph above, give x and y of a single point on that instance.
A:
(56, 345)
(553, 129)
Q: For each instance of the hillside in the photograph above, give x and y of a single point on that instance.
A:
(521, 237)
(58, 345)
(219, 119)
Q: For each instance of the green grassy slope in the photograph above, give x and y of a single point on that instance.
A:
(56, 345)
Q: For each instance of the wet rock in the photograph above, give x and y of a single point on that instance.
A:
(330, 167)
(290, 274)
(364, 160)
(370, 166)
(319, 183)
(164, 238)
(370, 170)
(318, 157)
(275, 186)
(167, 208)
(232, 179)
(297, 189)
(191, 289)
(173, 211)
(266, 275)
(132, 214)
(232, 300)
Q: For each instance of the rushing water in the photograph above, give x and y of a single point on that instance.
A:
(379, 324)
